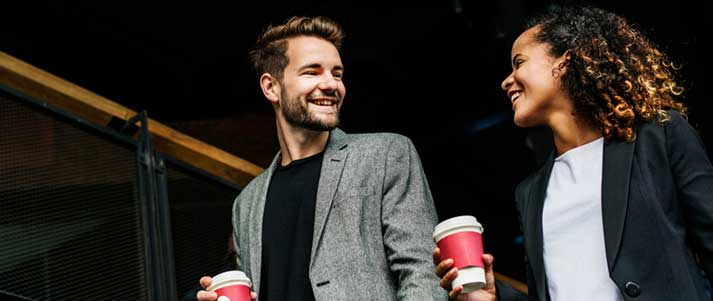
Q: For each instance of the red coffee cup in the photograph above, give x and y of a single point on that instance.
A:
(231, 286)
(460, 239)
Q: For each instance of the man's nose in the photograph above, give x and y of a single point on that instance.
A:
(328, 83)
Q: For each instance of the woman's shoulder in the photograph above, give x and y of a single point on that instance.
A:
(671, 125)
(666, 120)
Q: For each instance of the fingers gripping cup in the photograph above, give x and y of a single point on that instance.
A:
(231, 286)
(459, 238)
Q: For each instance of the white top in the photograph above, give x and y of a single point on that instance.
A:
(573, 246)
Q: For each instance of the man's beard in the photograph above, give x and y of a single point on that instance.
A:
(298, 115)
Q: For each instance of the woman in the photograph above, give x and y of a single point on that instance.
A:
(624, 206)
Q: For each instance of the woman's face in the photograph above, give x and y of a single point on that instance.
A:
(533, 87)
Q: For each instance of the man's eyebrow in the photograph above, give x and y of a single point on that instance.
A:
(319, 66)
(310, 66)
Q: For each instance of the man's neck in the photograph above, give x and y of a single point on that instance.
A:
(298, 143)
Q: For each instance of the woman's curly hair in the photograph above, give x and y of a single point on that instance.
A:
(615, 76)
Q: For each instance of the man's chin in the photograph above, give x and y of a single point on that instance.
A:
(320, 125)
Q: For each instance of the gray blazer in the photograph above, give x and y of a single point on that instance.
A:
(373, 222)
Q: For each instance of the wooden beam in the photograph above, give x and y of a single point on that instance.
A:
(32, 81)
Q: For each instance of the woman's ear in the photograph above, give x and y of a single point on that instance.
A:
(270, 88)
(561, 63)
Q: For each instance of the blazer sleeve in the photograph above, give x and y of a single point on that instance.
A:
(240, 219)
(236, 237)
(408, 220)
(521, 194)
(693, 176)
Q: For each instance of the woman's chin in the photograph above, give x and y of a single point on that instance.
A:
(524, 122)
(520, 121)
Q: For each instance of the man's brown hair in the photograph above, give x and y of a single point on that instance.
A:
(268, 56)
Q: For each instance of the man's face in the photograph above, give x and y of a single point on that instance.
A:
(312, 89)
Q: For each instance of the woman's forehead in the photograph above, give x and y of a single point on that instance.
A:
(527, 42)
(527, 37)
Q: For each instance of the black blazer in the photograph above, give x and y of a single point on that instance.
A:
(657, 209)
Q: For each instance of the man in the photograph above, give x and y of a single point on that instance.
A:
(335, 216)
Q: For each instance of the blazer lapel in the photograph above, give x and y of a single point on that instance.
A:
(255, 224)
(335, 157)
(616, 175)
(537, 201)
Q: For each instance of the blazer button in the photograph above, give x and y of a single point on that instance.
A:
(633, 289)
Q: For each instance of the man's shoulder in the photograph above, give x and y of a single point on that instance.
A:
(371, 140)
(254, 184)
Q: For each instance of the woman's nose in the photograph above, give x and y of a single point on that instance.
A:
(507, 83)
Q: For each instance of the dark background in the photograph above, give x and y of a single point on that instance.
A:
(430, 70)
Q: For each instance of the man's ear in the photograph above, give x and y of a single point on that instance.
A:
(270, 88)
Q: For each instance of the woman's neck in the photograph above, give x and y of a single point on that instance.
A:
(570, 132)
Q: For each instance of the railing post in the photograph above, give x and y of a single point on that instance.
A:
(155, 213)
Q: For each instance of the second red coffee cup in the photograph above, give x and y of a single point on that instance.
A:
(459, 238)
(231, 286)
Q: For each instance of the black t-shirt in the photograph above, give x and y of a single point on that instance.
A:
(287, 227)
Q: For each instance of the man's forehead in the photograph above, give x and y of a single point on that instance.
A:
(309, 44)
(306, 51)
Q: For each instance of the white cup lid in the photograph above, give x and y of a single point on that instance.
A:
(451, 225)
(225, 278)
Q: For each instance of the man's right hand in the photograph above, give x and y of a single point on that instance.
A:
(447, 272)
(204, 295)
